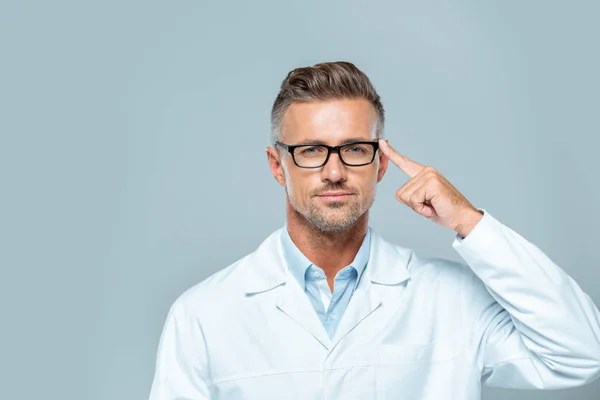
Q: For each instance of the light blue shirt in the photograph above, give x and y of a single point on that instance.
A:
(329, 306)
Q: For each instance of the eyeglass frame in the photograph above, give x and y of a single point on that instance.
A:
(330, 149)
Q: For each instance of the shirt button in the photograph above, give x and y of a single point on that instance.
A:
(329, 317)
(316, 274)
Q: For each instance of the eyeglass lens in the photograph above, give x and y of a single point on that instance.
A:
(352, 154)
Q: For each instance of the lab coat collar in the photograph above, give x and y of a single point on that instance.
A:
(388, 262)
(266, 267)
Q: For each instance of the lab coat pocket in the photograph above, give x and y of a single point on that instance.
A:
(402, 371)
(414, 371)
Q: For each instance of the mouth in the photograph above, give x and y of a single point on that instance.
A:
(335, 196)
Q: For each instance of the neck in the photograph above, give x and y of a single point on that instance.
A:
(331, 251)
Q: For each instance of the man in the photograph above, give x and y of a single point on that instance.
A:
(327, 309)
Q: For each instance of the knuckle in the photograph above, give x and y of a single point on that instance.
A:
(414, 197)
(399, 195)
(430, 171)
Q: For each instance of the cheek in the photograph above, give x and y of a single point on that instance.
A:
(298, 184)
(367, 187)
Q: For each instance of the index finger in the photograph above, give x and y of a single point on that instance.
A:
(410, 167)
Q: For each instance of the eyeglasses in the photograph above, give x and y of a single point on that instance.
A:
(353, 154)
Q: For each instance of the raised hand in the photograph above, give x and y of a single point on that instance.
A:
(431, 195)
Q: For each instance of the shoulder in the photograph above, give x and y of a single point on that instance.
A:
(216, 285)
(420, 265)
(225, 286)
(444, 281)
(432, 268)
(447, 279)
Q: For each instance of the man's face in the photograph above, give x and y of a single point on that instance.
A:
(331, 122)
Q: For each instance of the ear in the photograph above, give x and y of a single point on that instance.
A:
(275, 165)
(383, 164)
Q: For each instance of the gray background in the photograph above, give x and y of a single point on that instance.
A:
(132, 154)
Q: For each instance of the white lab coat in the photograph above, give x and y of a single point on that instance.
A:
(416, 328)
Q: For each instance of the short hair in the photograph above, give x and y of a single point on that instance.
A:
(324, 81)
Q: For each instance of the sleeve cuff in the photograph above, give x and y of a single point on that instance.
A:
(485, 220)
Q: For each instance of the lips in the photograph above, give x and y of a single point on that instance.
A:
(331, 194)
(335, 196)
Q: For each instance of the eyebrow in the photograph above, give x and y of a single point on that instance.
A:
(349, 140)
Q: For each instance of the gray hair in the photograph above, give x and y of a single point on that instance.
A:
(324, 81)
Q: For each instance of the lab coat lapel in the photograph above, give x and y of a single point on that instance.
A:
(364, 301)
(380, 289)
(296, 305)
(268, 271)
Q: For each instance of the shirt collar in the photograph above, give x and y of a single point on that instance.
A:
(298, 263)
(266, 268)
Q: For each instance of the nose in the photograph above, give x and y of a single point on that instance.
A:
(334, 170)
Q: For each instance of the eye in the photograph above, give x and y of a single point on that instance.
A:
(311, 150)
(356, 149)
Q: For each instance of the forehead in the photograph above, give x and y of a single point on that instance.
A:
(331, 121)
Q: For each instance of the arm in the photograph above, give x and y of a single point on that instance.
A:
(181, 357)
(532, 325)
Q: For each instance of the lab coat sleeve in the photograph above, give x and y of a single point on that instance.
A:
(181, 359)
(531, 325)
